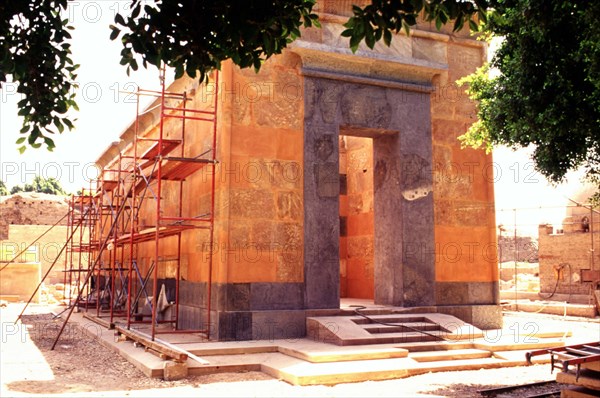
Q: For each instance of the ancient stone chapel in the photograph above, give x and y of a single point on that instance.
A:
(337, 175)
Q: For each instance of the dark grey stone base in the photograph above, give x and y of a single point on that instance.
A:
(473, 302)
(466, 293)
(244, 311)
(260, 325)
(268, 311)
(481, 316)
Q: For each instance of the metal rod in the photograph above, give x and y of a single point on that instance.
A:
(143, 289)
(516, 259)
(212, 207)
(592, 267)
(158, 202)
(46, 274)
(87, 279)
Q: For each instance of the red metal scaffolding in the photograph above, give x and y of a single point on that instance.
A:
(80, 243)
(138, 181)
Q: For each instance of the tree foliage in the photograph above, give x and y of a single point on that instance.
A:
(3, 189)
(190, 36)
(196, 36)
(35, 52)
(379, 19)
(546, 93)
(42, 185)
(545, 89)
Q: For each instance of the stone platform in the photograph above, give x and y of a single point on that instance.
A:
(309, 361)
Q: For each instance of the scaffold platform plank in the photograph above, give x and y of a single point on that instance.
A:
(150, 234)
(178, 169)
(167, 147)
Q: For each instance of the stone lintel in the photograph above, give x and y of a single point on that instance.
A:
(326, 58)
(371, 81)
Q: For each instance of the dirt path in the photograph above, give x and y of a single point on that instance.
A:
(80, 365)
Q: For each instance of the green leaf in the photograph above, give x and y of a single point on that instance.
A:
(347, 33)
(354, 42)
(387, 37)
(114, 32)
(473, 26)
(59, 126)
(458, 24)
(179, 71)
(370, 39)
(49, 143)
(119, 19)
(68, 123)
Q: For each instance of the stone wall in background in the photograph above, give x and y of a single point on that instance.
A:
(568, 258)
(525, 249)
(26, 216)
(30, 209)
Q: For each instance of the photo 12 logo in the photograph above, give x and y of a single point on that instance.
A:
(65, 172)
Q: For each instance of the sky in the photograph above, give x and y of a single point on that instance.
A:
(105, 112)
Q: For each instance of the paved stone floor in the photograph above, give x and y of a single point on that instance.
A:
(21, 360)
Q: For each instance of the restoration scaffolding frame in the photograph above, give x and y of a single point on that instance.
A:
(124, 187)
(80, 241)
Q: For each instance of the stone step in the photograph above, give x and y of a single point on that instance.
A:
(509, 343)
(401, 328)
(356, 371)
(353, 330)
(390, 318)
(436, 346)
(451, 355)
(351, 353)
(391, 339)
(402, 337)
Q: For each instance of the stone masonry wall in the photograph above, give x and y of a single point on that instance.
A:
(572, 248)
(26, 216)
(30, 209)
(465, 235)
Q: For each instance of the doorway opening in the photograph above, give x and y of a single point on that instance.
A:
(357, 215)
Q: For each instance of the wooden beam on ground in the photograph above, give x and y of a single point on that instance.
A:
(99, 321)
(154, 345)
(161, 348)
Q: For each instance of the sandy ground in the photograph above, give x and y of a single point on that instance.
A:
(79, 366)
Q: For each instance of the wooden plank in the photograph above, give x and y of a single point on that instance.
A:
(178, 169)
(579, 352)
(556, 350)
(150, 233)
(578, 392)
(99, 321)
(595, 350)
(580, 360)
(108, 185)
(167, 146)
(583, 380)
(156, 346)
